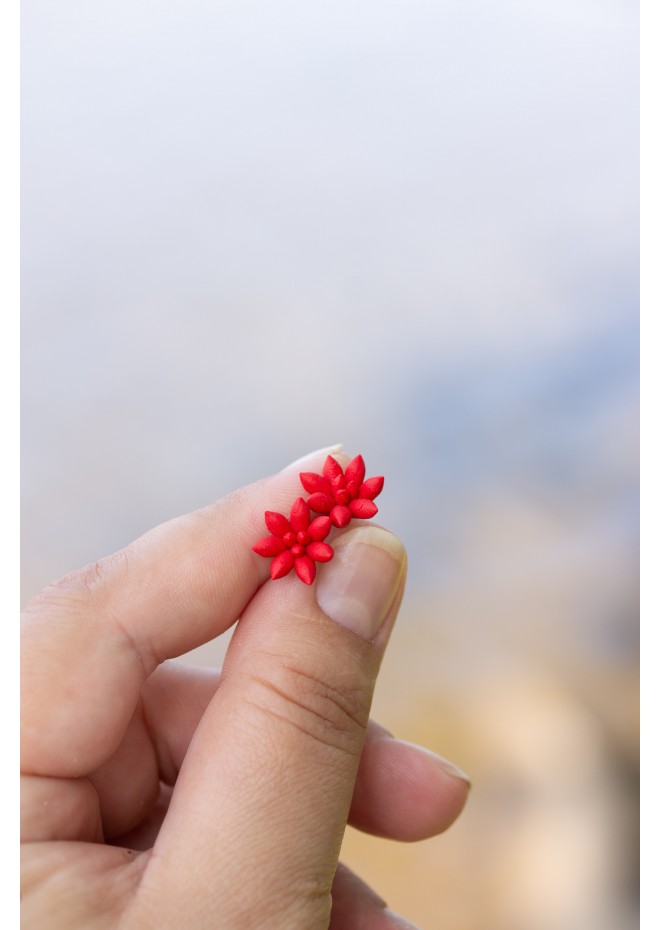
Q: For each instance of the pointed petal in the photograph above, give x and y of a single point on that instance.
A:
(372, 488)
(332, 468)
(305, 569)
(315, 484)
(277, 523)
(269, 546)
(340, 515)
(362, 508)
(319, 528)
(281, 564)
(299, 515)
(355, 470)
(321, 503)
(320, 551)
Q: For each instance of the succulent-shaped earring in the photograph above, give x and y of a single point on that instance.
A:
(342, 494)
(339, 496)
(296, 542)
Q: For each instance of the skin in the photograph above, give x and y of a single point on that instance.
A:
(159, 796)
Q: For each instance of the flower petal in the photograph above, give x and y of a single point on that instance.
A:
(319, 528)
(332, 468)
(372, 488)
(340, 515)
(299, 515)
(315, 484)
(320, 551)
(277, 523)
(269, 546)
(362, 508)
(355, 470)
(281, 564)
(321, 503)
(305, 569)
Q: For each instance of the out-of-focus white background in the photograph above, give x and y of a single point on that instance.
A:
(255, 228)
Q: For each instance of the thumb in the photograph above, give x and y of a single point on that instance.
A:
(271, 770)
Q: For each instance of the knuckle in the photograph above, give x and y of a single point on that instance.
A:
(82, 586)
(332, 715)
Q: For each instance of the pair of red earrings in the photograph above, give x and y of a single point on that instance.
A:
(338, 496)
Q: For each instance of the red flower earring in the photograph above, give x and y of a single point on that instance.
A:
(342, 494)
(295, 543)
(336, 494)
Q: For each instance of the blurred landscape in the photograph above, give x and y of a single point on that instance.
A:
(251, 230)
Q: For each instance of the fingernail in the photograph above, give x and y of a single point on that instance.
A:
(358, 587)
(444, 764)
(396, 920)
(299, 464)
(453, 770)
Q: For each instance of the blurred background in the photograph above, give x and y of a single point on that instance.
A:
(251, 229)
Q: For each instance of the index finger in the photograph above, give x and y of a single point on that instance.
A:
(90, 639)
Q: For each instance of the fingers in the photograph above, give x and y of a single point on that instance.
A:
(404, 792)
(293, 704)
(156, 740)
(355, 906)
(59, 809)
(91, 639)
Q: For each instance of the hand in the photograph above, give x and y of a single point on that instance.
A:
(160, 796)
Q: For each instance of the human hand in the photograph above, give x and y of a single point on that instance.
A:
(160, 796)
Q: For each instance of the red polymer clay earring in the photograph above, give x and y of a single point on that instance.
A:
(342, 494)
(338, 496)
(296, 542)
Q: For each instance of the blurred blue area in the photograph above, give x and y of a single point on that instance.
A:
(557, 430)
(513, 421)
